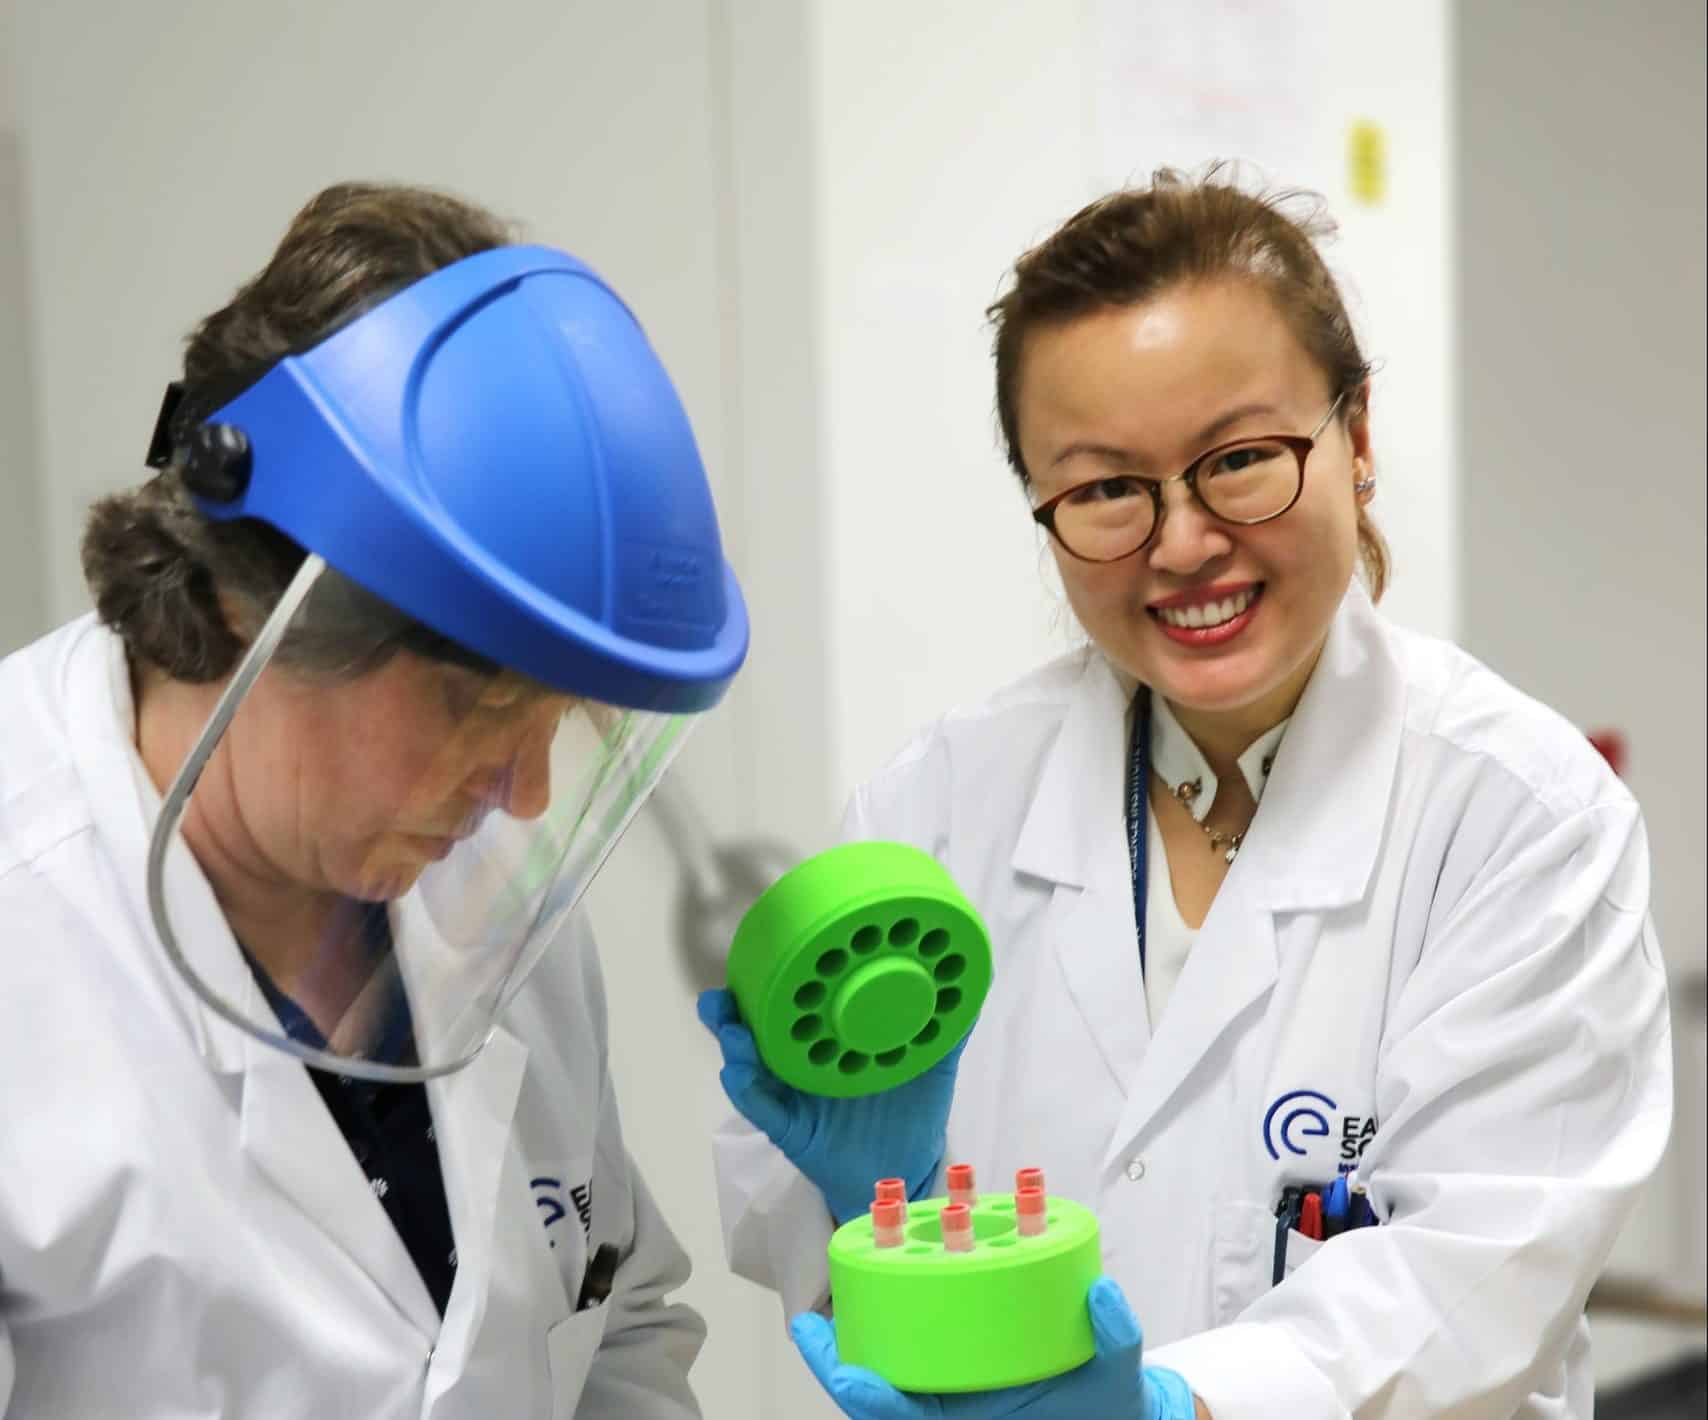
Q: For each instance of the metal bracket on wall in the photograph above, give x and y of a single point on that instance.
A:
(1645, 1301)
(720, 881)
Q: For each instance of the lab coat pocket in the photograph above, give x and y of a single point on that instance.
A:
(571, 1346)
(1242, 1257)
(1300, 1250)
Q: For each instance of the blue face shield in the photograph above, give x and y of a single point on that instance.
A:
(495, 454)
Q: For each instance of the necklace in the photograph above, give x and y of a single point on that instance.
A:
(1221, 841)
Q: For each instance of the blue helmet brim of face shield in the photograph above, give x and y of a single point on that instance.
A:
(497, 452)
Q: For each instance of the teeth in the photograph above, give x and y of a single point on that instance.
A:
(1206, 614)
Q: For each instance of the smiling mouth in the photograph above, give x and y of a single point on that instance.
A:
(1206, 616)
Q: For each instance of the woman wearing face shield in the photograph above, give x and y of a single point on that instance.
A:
(304, 1088)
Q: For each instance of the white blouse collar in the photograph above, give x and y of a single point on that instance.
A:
(1176, 757)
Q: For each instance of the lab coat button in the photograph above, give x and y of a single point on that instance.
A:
(1136, 1170)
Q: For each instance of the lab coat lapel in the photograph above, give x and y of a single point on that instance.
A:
(473, 1111)
(1075, 837)
(289, 1133)
(1232, 966)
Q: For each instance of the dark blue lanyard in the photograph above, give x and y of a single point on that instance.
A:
(1138, 787)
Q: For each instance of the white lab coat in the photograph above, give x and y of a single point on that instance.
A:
(185, 1234)
(1438, 924)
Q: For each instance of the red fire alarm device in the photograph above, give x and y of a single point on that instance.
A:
(1612, 746)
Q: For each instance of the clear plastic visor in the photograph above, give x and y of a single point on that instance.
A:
(393, 839)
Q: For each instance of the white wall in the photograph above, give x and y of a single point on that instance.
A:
(956, 134)
(22, 593)
(952, 138)
(1279, 85)
(1582, 383)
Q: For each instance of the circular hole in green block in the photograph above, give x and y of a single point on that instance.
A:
(904, 932)
(887, 1058)
(927, 1033)
(920, 1250)
(1000, 1242)
(950, 968)
(935, 943)
(832, 962)
(853, 1062)
(1001, 1205)
(807, 1028)
(948, 998)
(1051, 1218)
(867, 939)
(822, 1052)
(810, 995)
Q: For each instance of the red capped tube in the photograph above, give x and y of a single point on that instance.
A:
(887, 1218)
(963, 1188)
(1031, 1212)
(890, 1190)
(1028, 1178)
(957, 1220)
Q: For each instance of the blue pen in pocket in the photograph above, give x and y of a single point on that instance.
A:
(1335, 1204)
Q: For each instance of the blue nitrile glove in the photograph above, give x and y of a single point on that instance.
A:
(843, 1146)
(1114, 1385)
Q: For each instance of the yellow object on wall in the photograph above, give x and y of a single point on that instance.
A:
(1367, 162)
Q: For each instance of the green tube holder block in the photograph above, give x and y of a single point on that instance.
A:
(1010, 1312)
(859, 969)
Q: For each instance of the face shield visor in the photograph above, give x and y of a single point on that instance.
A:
(421, 762)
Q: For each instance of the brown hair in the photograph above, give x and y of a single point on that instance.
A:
(1131, 245)
(165, 577)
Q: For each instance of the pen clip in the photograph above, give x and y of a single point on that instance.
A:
(601, 1273)
(1286, 1217)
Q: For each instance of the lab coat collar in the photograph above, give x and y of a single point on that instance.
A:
(1079, 798)
(1314, 841)
(101, 721)
(1305, 848)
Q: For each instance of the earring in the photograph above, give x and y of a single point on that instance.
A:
(1364, 485)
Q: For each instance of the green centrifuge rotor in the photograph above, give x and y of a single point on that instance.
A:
(859, 969)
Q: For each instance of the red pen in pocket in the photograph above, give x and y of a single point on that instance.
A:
(1311, 1217)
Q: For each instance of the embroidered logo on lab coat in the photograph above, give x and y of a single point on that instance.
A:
(1302, 1115)
(551, 1198)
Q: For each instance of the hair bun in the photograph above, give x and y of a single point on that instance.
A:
(151, 589)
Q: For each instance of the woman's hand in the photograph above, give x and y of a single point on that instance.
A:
(842, 1145)
(1114, 1385)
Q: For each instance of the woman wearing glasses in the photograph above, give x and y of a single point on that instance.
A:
(1324, 968)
